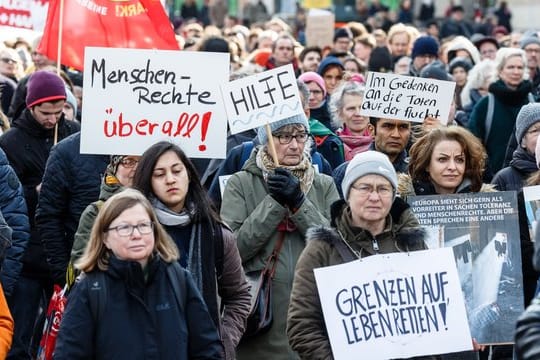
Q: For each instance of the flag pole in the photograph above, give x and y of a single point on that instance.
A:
(59, 57)
(271, 144)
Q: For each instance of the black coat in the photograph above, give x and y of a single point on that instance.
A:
(513, 177)
(27, 145)
(71, 182)
(141, 319)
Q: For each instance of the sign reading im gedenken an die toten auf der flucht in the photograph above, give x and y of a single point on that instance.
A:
(134, 98)
(262, 98)
(407, 98)
(394, 306)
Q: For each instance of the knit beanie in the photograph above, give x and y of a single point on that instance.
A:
(342, 33)
(380, 60)
(299, 119)
(44, 86)
(529, 40)
(365, 163)
(459, 62)
(326, 62)
(114, 163)
(527, 116)
(311, 76)
(71, 100)
(436, 70)
(425, 45)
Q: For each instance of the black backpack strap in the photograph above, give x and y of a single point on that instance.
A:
(345, 253)
(177, 278)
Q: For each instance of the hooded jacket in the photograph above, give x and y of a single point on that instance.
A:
(254, 216)
(305, 323)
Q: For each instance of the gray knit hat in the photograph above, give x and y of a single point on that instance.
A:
(527, 117)
(299, 119)
(365, 163)
(527, 40)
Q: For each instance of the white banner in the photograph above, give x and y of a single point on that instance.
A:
(394, 306)
(408, 98)
(134, 98)
(264, 97)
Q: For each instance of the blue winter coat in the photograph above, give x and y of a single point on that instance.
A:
(13, 207)
(140, 320)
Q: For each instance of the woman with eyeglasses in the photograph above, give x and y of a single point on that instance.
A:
(372, 220)
(133, 302)
(167, 177)
(273, 201)
(118, 175)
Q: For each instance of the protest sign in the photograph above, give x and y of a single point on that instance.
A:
(482, 229)
(392, 96)
(394, 306)
(262, 98)
(531, 195)
(134, 98)
(320, 27)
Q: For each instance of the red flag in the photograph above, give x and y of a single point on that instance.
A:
(140, 24)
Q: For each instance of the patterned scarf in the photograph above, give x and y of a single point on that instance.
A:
(303, 171)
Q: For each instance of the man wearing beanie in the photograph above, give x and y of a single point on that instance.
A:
(27, 145)
(342, 41)
(371, 220)
(523, 164)
(531, 45)
(267, 203)
(425, 51)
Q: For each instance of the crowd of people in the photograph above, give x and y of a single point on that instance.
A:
(154, 250)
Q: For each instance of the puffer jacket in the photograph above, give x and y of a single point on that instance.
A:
(13, 208)
(71, 181)
(254, 217)
(527, 336)
(305, 324)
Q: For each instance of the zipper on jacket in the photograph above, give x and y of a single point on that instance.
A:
(375, 245)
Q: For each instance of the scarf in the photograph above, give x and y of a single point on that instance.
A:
(170, 218)
(303, 171)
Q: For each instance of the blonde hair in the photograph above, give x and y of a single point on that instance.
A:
(398, 28)
(97, 254)
(504, 54)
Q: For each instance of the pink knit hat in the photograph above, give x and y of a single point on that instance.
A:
(310, 76)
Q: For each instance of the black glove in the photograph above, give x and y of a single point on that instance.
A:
(284, 187)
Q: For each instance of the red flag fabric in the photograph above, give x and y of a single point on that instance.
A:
(140, 24)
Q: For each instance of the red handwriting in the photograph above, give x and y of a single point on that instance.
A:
(184, 126)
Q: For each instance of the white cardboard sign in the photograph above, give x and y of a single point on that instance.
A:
(394, 306)
(408, 98)
(134, 98)
(262, 98)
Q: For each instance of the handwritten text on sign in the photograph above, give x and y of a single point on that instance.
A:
(399, 97)
(134, 98)
(394, 306)
(265, 97)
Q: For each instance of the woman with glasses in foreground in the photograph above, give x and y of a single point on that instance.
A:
(269, 203)
(167, 177)
(118, 175)
(140, 314)
(361, 226)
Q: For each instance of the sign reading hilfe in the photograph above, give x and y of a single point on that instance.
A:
(134, 98)
(391, 96)
(262, 98)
